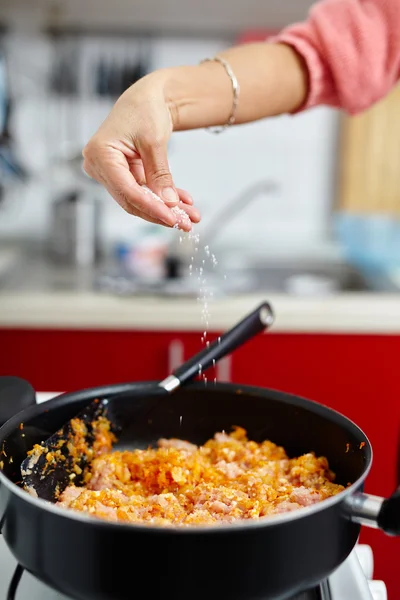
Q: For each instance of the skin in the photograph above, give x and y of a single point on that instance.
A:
(130, 147)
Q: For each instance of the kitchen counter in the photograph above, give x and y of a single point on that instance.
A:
(40, 295)
(341, 313)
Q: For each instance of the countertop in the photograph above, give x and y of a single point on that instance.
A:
(40, 295)
(341, 313)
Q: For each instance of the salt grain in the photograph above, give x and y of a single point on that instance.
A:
(182, 216)
(152, 194)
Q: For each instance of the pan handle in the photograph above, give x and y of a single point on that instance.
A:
(376, 512)
(256, 322)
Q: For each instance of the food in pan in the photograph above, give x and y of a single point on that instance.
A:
(227, 479)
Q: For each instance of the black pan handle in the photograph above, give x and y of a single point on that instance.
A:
(389, 515)
(16, 394)
(376, 512)
(256, 322)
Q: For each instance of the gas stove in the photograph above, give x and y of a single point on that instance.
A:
(353, 580)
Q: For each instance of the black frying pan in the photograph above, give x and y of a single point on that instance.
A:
(275, 558)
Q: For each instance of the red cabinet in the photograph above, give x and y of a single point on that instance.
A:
(356, 375)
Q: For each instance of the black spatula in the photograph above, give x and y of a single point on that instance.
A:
(63, 458)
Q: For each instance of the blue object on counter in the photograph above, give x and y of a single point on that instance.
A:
(370, 242)
(122, 251)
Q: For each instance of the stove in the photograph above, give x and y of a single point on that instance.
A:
(353, 580)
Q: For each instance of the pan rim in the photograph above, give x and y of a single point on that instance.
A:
(219, 529)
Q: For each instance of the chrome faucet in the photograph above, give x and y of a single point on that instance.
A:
(178, 253)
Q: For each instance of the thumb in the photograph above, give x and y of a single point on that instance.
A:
(158, 176)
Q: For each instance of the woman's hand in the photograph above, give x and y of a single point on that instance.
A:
(129, 151)
(130, 148)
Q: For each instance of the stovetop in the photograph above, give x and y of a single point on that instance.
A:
(349, 582)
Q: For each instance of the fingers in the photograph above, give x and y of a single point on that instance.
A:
(192, 212)
(110, 167)
(186, 214)
(137, 170)
(141, 215)
(184, 196)
(183, 223)
(156, 168)
(123, 179)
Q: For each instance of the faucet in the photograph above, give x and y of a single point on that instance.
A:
(177, 254)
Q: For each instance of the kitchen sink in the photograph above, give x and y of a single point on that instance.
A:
(307, 278)
(298, 279)
(35, 273)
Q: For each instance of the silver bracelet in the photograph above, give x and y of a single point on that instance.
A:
(236, 92)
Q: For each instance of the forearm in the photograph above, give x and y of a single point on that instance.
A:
(272, 81)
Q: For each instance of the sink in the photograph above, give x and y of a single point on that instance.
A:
(307, 279)
(312, 278)
(302, 279)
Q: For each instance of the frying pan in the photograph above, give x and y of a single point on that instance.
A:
(274, 558)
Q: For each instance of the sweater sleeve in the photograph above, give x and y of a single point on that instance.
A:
(351, 49)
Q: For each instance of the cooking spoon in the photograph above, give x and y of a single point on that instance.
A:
(63, 457)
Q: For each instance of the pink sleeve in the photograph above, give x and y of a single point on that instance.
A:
(351, 49)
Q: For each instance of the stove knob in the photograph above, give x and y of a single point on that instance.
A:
(378, 590)
(366, 559)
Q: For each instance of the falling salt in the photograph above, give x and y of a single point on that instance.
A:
(198, 267)
(180, 421)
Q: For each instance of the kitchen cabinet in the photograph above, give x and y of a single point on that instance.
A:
(356, 375)
(67, 360)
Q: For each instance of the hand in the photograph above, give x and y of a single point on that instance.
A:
(129, 151)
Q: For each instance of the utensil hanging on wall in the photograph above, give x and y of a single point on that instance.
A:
(114, 76)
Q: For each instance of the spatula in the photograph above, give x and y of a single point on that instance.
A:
(62, 458)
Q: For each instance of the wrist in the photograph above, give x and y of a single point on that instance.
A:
(197, 96)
